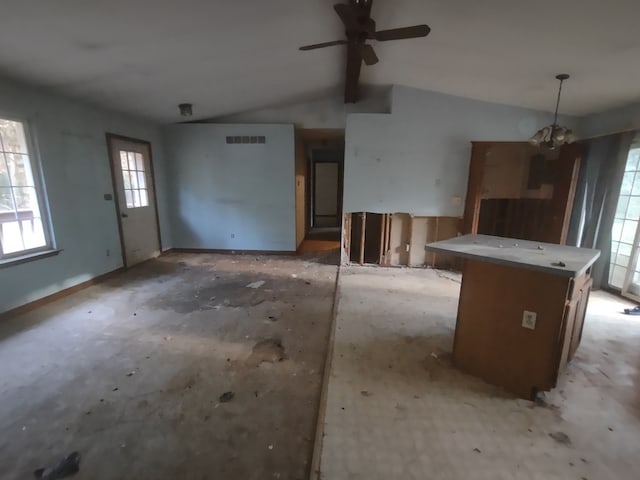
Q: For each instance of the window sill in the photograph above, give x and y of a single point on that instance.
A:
(10, 262)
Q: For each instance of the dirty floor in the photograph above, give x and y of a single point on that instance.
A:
(397, 408)
(186, 367)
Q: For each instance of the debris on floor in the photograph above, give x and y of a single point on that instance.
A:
(257, 284)
(561, 437)
(173, 402)
(64, 468)
(227, 397)
(269, 350)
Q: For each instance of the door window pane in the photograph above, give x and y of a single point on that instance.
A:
(616, 276)
(628, 231)
(134, 181)
(627, 183)
(132, 160)
(625, 249)
(632, 159)
(623, 203)
(124, 163)
(616, 232)
(129, 198)
(633, 209)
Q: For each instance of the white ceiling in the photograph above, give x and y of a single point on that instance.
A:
(224, 56)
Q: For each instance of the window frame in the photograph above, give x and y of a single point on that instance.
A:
(35, 163)
(137, 189)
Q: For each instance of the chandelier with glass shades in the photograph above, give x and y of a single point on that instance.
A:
(554, 135)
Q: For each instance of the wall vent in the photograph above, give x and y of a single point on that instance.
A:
(247, 139)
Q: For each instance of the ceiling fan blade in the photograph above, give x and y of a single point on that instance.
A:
(325, 44)
(368, 54)
(401, 33)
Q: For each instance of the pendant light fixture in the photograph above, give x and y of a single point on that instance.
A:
(553, 136)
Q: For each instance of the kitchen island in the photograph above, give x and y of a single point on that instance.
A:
(521, 310)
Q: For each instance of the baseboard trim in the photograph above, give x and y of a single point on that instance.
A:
(27, 307)
(229, 252)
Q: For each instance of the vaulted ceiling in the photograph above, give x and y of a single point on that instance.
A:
(144, 57)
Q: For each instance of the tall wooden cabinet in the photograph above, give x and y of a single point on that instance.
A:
(520, 191)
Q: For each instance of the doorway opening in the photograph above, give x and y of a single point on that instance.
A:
(325, 196)
(135, 202)
(319, 188)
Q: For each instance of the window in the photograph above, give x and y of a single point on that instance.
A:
(133, 176)
(23, 227)
(625, 223)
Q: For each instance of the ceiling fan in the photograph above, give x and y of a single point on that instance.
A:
(360, 27)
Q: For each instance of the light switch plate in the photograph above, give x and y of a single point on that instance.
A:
(529, 320)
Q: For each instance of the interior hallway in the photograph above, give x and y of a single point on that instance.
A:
(130, 372)
(397, 408)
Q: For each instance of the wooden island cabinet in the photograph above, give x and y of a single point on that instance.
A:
(521, 310)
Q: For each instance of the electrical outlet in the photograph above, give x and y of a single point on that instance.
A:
(529, 320)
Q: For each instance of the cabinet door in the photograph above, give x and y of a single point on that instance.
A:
(582, 297)
(568, 323)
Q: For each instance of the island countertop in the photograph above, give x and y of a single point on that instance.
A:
(555, 259)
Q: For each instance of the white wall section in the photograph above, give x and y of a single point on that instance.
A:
(70, 141)
(416, 159)
(232, 196)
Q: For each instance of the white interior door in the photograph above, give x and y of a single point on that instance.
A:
(136, 200)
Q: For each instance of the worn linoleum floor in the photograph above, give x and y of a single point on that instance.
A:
(130, 372)
(397, 408)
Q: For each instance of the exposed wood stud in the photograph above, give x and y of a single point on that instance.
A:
(383, 234)
(387, 249)
(410, 240)
(347, 236)
(435, 239)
